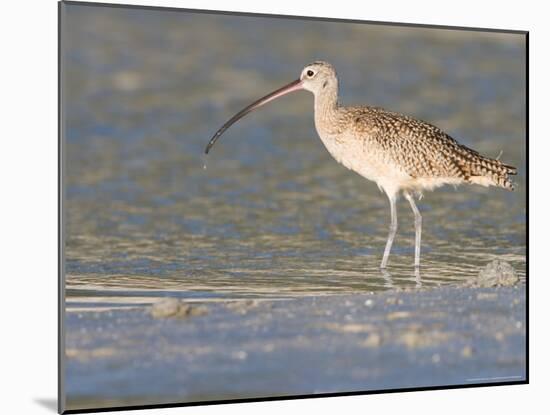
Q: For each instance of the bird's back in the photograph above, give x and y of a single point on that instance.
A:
(421, 150)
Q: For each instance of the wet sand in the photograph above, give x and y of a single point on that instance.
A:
(197, 351)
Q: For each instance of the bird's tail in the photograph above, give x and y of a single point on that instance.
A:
(492, 172)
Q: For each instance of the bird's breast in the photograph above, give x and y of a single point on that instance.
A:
(367, 160)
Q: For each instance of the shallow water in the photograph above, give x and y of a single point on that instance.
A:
(271, 215)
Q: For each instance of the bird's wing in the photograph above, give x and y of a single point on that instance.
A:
(419, 148)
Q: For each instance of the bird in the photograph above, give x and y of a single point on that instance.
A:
(401, 154)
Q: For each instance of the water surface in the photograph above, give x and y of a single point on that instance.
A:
(272, 215)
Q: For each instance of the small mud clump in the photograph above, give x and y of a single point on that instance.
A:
(496, 274)
(174, 308)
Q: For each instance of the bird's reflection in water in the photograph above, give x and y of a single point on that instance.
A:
(417, 278)
(389, 282)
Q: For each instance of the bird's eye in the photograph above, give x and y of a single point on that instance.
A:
(310, 73)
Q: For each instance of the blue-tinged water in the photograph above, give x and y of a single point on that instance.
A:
(145, 90)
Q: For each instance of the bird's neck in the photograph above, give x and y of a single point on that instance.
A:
(326, 107)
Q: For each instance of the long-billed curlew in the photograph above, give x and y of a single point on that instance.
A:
(401, 154)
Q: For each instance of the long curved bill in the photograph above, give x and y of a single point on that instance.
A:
(287, 89)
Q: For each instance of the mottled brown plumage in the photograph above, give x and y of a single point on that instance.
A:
(422, 149)
(399, 153)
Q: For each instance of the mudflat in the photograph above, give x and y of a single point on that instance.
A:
(172, 351)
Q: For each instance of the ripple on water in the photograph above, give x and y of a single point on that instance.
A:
(269, 213)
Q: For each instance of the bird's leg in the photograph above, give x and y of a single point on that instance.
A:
(417, 228)
(393, 231)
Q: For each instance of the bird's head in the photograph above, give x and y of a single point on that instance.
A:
(318, 76)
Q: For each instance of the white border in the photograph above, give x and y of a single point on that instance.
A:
(29, 202)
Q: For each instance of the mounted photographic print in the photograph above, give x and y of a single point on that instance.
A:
(264, 207)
